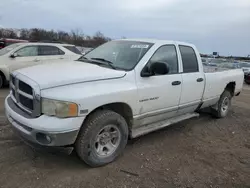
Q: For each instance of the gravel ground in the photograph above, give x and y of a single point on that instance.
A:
(200, 152)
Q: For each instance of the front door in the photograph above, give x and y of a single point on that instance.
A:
(159, 95)
(24, 57)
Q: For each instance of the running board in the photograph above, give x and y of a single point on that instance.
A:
(159, 125)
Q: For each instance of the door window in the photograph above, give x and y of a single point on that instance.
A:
(49, 50)
(166, 54)
(189, 59)
(27, 51)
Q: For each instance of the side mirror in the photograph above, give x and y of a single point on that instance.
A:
(156, 68)
(14, 55)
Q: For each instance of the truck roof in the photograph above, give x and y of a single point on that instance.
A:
(158, 41)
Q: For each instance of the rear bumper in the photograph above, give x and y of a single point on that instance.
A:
(44, 130)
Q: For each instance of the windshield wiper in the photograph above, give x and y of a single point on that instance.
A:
(107, 62)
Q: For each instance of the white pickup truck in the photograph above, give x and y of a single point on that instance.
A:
(122, 89)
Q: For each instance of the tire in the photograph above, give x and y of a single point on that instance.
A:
(223, 105)
(96, 132)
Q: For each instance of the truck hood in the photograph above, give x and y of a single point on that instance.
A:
(71, 72)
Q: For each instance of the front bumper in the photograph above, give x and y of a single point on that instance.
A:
(44, 130)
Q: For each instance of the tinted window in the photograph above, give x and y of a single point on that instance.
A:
(73, 49)
(27, 51)
(166, 54)
(50, 50)
(189, 59)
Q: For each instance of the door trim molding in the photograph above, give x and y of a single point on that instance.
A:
(189, 105)
(156, 112)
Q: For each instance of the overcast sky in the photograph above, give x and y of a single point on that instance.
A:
(212, 25)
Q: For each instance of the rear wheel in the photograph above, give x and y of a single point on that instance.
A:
(223, 105)
(102, 138)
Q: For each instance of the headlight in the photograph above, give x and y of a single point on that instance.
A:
(59, 108)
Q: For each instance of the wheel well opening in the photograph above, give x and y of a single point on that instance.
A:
(121, 108)
(3, 76)
(231, 88)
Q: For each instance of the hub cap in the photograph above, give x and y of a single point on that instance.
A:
(225, 105)
(107, 140)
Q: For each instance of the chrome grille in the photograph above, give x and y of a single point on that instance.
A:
(25, 96)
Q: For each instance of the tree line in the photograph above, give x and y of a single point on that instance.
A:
(76, 37)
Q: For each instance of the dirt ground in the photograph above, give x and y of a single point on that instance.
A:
(200, 152)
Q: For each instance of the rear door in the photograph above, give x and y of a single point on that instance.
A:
(192, 78)
(50, 54)
(24, 57)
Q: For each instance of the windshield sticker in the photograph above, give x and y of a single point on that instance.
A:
(139, 46)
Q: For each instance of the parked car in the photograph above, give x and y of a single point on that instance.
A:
(6, 42)
(84, 50)
(229, 65)
(22, 55)
(245, 67)
(247, 77)
(121, 89)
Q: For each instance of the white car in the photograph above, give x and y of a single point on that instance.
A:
(22, 55)
(121, 89)
(245, 67)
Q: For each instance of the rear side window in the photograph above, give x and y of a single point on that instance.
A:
(49, 50)
(73, 49)
(189, 59)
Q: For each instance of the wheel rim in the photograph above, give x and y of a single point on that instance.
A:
(225, 105)
(107, 140)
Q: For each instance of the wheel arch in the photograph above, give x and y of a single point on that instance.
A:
(121, 108)
(3, 76)
(231, 87)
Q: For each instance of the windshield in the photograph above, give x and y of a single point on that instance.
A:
(122, 54)
(8, 49)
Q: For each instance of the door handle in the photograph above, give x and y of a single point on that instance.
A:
(36, 60)
(199, 79)
(175, 83)
(60, 58)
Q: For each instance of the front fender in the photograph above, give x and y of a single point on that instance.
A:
(92, 95)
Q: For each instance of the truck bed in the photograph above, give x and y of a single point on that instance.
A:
(217, 79)
(210, 69)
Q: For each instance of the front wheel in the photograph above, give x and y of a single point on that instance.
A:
(223, 105)
(102, 138)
